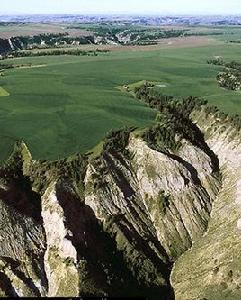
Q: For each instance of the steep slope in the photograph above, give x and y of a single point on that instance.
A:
(112, 230)
(22, 237)
(155, 214)
(168, 191)
(12, 44)
(211, 269)
(16, 43)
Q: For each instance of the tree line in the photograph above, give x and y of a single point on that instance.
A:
(230, 76)
(55, 52)
(173, 122)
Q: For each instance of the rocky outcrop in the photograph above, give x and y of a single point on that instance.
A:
(165, 199)
(60, 257)
(22, 244)
(43, 40)
(115, 225)
(11, 44)
(211, 268)
(166, 191)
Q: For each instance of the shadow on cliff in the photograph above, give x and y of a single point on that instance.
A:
(19, 196)
(105, 263)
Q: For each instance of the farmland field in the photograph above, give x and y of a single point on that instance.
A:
(14, 30)
(69, 104)
(3, 93)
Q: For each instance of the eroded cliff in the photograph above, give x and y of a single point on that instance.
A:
(115, 224)
(211, 268)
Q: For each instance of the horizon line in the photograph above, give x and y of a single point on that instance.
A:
(118, 14)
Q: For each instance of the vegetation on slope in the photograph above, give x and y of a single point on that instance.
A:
(47, 40)
(173, 122)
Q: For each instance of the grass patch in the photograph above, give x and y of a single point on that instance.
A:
(3, 92)
(97, 150)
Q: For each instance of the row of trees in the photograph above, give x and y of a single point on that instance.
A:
(219, 61)
(230, 79)
(164, 103)
(173, 122)
(117, 140)
(55, 52)
(230, 76)
(6, 66)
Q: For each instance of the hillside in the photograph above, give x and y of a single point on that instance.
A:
(120, 157)
(210, 269)
(115, 223)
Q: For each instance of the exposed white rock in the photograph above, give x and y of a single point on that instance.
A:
(155, 206)
(215, 258)
(11, 44)
(239, 224)
(62, 276)
(153, 176)
(238, 192)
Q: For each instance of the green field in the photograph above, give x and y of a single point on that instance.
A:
(68, 105)
(3, 93)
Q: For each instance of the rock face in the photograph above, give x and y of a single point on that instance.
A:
(211, 269)
(116, 224)
(8, 45)
(22, 244)
(60, 257)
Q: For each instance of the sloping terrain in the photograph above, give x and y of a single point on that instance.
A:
(115, 224)
(211, 269)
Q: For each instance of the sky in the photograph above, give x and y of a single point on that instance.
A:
(120, 6)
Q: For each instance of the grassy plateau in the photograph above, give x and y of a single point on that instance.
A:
(69, 103)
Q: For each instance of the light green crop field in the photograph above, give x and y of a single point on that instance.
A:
(3, 93)
(68, 105)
